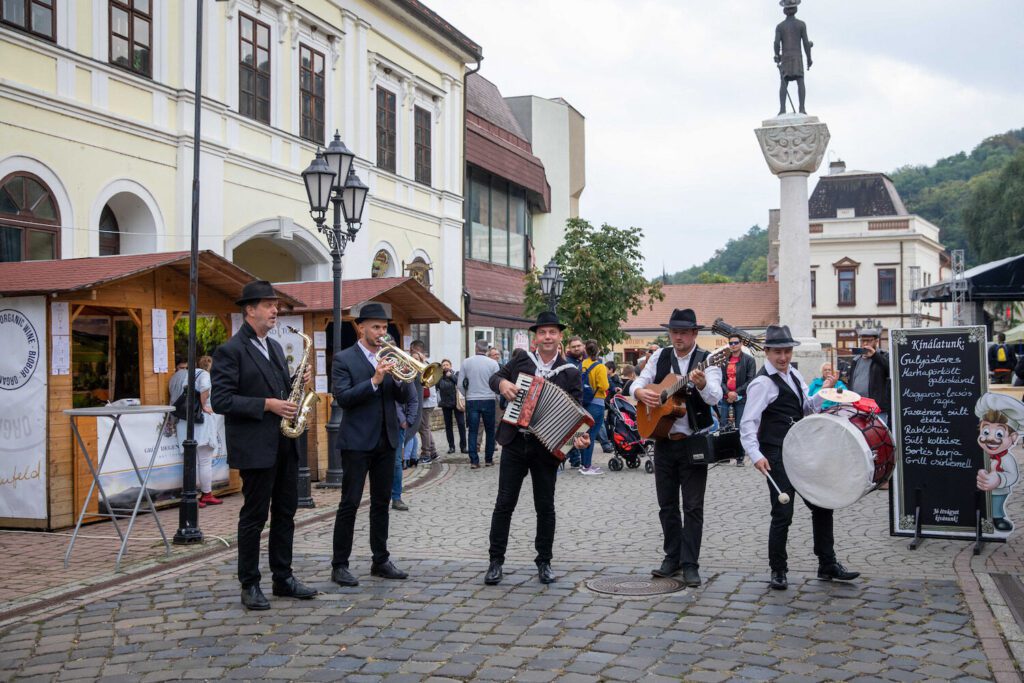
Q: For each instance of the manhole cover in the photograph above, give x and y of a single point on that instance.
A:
(623, 585)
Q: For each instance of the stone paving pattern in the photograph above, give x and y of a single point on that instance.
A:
(906, 620)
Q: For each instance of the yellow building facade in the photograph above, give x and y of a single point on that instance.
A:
(96, 117)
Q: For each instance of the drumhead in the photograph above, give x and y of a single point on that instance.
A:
(828, 461)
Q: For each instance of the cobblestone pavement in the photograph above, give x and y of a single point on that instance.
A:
(908, 619)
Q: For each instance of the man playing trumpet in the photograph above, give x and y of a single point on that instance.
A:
(776, 400)
(368, 437)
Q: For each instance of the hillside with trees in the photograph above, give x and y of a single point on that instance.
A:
(742, 259)
(941, 192)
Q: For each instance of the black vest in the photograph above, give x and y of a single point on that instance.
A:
(781, 414)
(698, 413)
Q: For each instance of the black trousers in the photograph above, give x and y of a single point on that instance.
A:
(782, 518)
(673, 474)
(379, 464)
(460, 419)
(525, 456)
(272, 490)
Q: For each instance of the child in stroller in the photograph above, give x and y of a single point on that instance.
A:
(629, 448)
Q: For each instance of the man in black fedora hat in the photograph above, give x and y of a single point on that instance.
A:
(674, 469)
(368, 437)
(523, 454)
(250, 389)
(776, 400)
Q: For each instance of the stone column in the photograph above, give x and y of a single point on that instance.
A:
(794, 145)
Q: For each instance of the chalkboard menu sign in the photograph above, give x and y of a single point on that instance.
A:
(938, 375)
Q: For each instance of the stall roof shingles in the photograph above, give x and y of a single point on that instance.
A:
(72, 275)
(741, 304)
(405, 291)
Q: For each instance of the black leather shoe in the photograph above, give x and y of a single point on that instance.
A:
(343, 577)
(667, 569)
(399, 505)
(1002, 524)
(388, 570)
(463, 450)
(293, 588)
(544, 573)
(836, 572)
(494, 574)
(779, 581)
(451, 449)
(253, 598)
(691, 577)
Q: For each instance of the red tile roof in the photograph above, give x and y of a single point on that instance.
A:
(72, 275)
(405, 293)
(751, 305)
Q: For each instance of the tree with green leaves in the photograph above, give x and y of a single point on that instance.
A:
(604, 281)
(210, 334)
(994, 215)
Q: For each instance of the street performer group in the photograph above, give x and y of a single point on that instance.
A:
(544, 421)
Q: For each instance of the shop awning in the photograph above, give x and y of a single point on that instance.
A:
(404, 293)
(995, 281)
(82, 274)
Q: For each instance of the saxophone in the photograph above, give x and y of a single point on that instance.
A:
(293, 428)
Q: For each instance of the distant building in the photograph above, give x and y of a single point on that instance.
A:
(518, 196)
(867, 254)
(750, 306)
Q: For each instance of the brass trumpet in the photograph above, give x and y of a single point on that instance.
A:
(406, 367)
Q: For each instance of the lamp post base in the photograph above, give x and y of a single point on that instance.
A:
(305, 499)
(187, 536)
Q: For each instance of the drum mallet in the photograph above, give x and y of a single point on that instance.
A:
(783, 497)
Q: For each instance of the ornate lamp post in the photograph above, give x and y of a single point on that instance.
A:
(331, 178)
(551, 284)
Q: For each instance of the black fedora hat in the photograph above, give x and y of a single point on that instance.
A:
(779, 337)
(683, 319)
(372, 310)
(255, 291)
(547, 319)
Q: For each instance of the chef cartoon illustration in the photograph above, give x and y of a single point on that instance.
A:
(1000, 418)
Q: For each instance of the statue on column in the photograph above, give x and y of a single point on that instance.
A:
(790, 38)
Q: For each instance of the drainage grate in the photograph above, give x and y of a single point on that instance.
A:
(631, 585)
(1012, 591)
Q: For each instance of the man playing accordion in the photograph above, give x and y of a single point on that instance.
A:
(523, 453)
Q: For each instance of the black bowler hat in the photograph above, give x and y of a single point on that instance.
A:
(255, 291)
(547, 319)
(683, 319)
(373, 311)
(779, 337)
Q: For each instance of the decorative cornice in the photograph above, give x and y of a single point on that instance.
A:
(793, 144)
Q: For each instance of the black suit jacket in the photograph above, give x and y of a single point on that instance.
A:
(570, 380)
(366, 409)
(242, 380)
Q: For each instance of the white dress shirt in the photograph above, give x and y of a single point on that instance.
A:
(762, 391)
(261, 344)
(372, 357)
(711, 393)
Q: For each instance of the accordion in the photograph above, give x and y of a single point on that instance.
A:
(547, 412)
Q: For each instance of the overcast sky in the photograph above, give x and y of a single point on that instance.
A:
(672, 90)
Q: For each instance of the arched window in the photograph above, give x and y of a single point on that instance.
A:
(110, 233)
(29, 219)
(381, 264)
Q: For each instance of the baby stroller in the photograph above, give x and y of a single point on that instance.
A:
(620, 420)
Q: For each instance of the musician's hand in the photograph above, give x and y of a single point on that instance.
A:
(581, 441)
(762, 466)
(649, 397)
(508, 390)
(281, 408)
(383, 368)
(987, 481)
(307, 375)
(732, 396)
(698, 379)
(208, 409)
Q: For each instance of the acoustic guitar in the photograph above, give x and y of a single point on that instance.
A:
(655, 423)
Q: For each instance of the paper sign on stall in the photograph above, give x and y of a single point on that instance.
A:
(321, 362)
(321, 384)
(60, 318)
(60, 363)
(320, 340)
(236, 323)
(159, 340)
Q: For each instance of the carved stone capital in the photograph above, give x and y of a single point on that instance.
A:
(793, 143)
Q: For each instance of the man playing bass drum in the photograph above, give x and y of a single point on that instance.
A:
(674, 470)
(522, 453)
(776, 400)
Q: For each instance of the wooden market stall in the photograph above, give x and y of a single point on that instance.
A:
(81, 332)
(411, 304)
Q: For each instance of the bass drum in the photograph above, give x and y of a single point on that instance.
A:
(838, 456)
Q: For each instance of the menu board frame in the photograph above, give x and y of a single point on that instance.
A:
(904, 493)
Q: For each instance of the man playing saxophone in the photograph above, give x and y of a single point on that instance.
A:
(366, 391)
(250, 385)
